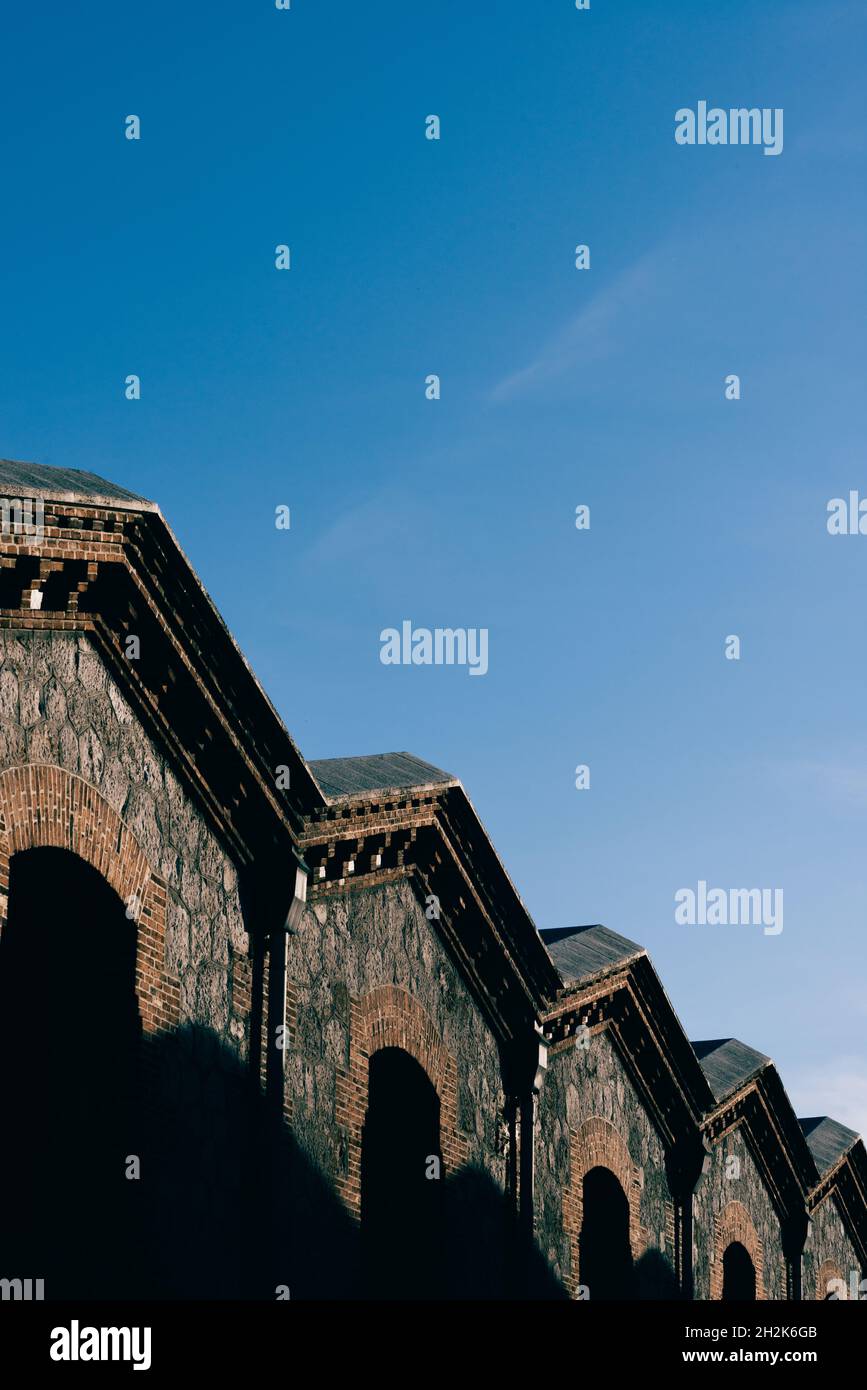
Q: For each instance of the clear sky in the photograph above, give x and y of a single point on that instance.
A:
(559, 387)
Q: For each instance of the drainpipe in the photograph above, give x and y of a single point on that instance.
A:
(299, 899)
(686, 1165)
(794, 1233)
(529, 1105)
(279, 954)
(271, 916)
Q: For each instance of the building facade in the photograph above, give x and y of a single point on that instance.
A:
(278, 1028)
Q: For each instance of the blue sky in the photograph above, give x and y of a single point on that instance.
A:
(559, 387)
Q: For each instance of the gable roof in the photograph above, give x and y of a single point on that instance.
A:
(728, 1064)
(67, 485)
(376, 772)
(827, 1140)
(581, 952)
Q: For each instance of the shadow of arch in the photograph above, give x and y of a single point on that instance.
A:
(231, 1205)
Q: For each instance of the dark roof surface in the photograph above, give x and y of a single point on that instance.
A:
(828, 1140)
(727, 1064)
(65, 485)
(376, 772)
(579, 952)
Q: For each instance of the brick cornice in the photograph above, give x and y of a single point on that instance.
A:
(432, 837)
(761, 1107)
(844, 1183)
(630, 1005)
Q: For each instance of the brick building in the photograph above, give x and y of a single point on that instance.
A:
(275, 1026)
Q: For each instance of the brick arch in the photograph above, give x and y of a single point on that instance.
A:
(391, 1017)
(828, 1270)
(597, 1143)
(735, 1223)
(43, 805)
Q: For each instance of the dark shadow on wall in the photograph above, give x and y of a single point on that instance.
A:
(605, 1259)
(607, 1269)
(489, 1256)
(401, 1186)
(138, 1166)
(69, 1052)
(227, 1205)
(655, 1278)
(739, 1275)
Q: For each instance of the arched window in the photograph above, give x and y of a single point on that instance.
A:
(401, 1181)
(605, 1254)
(739, 1275)
(69, 1031)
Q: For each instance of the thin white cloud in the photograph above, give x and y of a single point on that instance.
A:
(382, 526)
(839, 783)
(594, 333)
